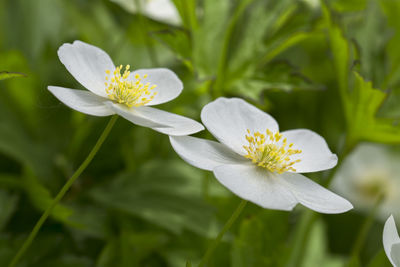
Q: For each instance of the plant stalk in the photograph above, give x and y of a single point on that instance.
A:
(63, 191)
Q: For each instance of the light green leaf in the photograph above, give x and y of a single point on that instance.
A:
(7, 75)
(363, 123)
(316, 252)
(341, 55)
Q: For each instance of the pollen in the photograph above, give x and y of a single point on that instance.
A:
(270, 151)
(132, 92)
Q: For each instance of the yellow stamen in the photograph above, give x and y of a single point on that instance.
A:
(270, 152)
(132, 93)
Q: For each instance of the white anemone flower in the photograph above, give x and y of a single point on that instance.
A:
(160, 10)
(257, 162)
(128, 94)
(370, 174)
(391, 242)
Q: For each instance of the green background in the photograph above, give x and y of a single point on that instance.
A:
(332, 67)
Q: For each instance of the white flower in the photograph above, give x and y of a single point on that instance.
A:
(391, 242)
(257, 162)
(129, 95)
(161, 10)
(369, 173)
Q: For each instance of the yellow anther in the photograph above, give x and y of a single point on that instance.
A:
(270, 153)
(128, 91)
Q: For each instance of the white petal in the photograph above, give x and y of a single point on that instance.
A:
(256, 185)
(83, 101)
(168, 84)
(133, 116)
(390, 237)
(315, 155)
(88, 65)
(312, 195)
(228, 120)
(395, 254)
(162, 10)
(204, 154)
(159, 120)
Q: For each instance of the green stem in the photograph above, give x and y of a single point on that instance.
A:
(226, 227)
(301, 232)
(362, 235)
(309, 217)
(62, 192)
(144, 28)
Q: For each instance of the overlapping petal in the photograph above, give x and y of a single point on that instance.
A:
(256, 185)
(168, 84)
(204, 154)
(390, 238)
(315, 155)
(228, 120)
(158, 120)
(88, 65)
(82, 101)
(312, 195)
(281, 192)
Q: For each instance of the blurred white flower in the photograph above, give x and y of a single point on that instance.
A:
(127, 94)
(391, 242)
(370, 172)
(160, 10)
(257, 162)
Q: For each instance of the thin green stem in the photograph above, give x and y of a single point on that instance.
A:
(226, 227)
(62, 192)
(366, 226)
(309, 217)
(144, 28)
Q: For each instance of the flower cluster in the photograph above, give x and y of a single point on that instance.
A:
(261, 168)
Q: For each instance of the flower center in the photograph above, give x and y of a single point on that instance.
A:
(132, 93)
(373, 186)
(270, 152)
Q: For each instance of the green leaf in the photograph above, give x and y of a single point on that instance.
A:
(256, 243)
(341, 55)
(354, 262)
(8, 205)
(41, 198)
(363, 123)
(316, 252)
(159, 197)
(178, 42)
(278, 76)
(7, 75)
(131, 249)
(380, 260)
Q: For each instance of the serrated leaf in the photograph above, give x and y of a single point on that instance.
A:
(362, 102)
(7, 75)
(363, 123)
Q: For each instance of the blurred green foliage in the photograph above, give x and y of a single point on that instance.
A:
(333, 67)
